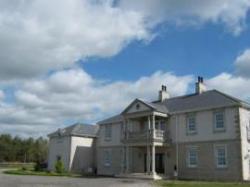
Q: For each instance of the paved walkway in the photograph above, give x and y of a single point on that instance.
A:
(40, 181)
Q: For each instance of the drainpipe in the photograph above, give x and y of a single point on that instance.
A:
(177, 146)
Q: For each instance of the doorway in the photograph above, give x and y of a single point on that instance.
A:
(159, 163)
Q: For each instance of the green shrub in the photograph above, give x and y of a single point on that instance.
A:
(24, 168)
(38, 167)
(59, 167)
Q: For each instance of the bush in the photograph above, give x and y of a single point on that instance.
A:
(59, 167)
(24, 168)
(40, 166)
(37, 166)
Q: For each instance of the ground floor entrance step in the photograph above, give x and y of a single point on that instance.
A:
(141, 176)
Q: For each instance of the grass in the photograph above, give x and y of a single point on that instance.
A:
(39, 173)
(199, 184)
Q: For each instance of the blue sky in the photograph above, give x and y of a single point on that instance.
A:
(207, 51)
(91, 59)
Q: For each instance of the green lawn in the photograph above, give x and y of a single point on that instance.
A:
(39, 173)
(199, 184)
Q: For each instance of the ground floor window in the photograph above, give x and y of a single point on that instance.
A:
(221, 156)
(192, 157)
(107, 157)
(58, 157)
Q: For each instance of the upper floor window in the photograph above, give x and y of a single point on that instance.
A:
(221, 156)
(191, 124)
(192, 157)
(107, 158)
(219, 124)
(108, 131)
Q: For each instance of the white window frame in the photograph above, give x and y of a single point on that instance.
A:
(216, 156)
(188, 125)
(107, 158)
(216, 128)
(108, 131)
(188, 156)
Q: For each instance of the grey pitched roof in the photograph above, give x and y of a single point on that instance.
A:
(158, 107)
(78, 129)
(192, 102)
(208, 99)
(113, 119)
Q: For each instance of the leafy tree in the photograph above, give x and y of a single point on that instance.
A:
(16, 149)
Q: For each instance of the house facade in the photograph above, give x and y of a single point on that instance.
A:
(201, 136)
(75, 146)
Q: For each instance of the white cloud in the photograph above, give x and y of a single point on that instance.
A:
(73, 95)
(40, 35)
(242, 64)
(2, 95)
(76, 96)
(230, 12)
(231, 84)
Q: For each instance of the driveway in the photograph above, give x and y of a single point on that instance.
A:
(40, 181)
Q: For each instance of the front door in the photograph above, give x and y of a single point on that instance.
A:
(159, 163)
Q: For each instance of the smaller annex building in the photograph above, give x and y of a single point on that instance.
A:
(75, 146)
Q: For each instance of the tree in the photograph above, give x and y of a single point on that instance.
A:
(16, 149)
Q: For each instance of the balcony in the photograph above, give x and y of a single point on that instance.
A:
(145, 136)
(137, 135)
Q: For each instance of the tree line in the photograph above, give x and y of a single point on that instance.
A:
(16, 149)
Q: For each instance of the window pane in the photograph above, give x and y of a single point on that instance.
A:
(108, 131)
(219, 120)
(192, 157)
(162, 125)
(107, 159)
(191, 124)
(221, 156)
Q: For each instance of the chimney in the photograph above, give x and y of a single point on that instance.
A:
(200, 86)
(163, 94)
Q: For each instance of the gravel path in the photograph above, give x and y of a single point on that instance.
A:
(41, 181)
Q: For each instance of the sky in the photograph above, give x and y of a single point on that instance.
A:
(65, 61)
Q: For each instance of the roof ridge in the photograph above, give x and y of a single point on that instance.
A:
(182, 96)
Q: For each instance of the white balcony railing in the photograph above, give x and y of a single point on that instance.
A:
(144, 135)
(159, 134)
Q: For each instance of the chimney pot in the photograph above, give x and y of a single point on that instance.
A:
(163, 94)
(200, 86)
